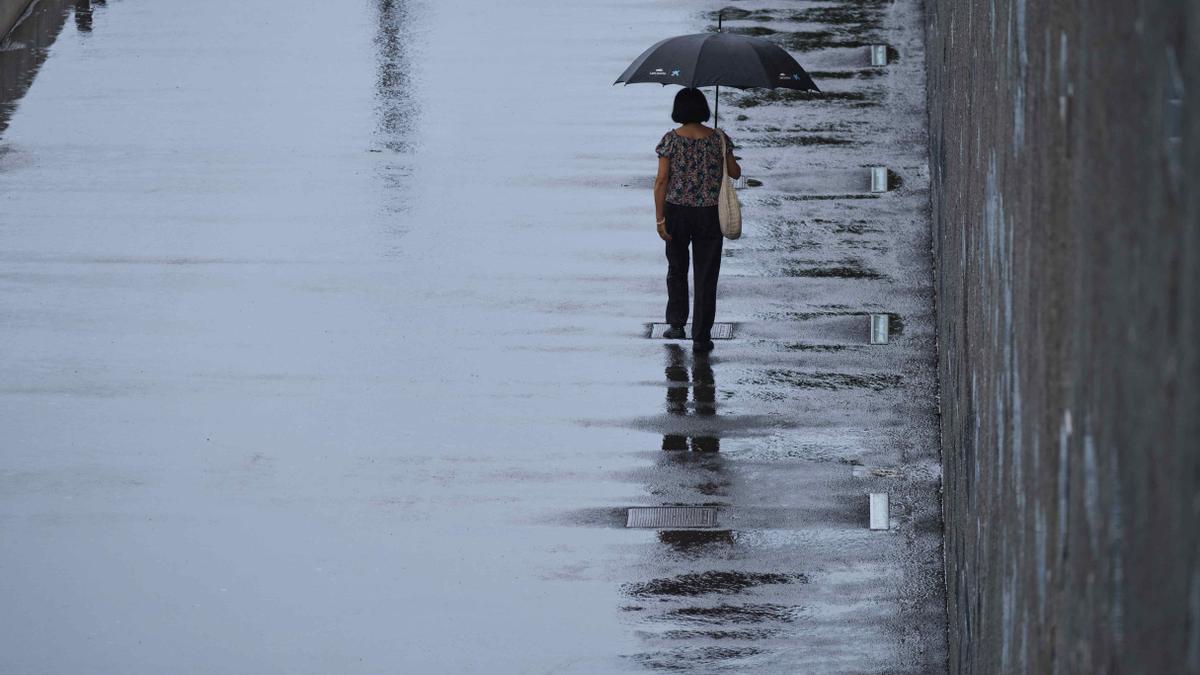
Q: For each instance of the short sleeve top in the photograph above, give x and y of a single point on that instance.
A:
(695, 167)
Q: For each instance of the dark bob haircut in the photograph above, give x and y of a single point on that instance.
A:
(690, 106)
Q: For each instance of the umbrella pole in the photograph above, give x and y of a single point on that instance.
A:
(717, 96)
(717, 100)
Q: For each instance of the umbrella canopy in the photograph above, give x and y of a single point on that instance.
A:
(722, 59)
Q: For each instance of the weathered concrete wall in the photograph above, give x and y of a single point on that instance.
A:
(1065, 160)
(10, 11)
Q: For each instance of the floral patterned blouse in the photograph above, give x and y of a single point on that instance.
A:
(695, 167)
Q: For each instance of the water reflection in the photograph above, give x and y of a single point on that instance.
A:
(83, 14)
(701, 384)
(695, 541)
(395, 111)
(700, 608)
(395, 104)
(25, 49)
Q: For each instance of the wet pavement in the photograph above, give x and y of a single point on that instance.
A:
(325, 347)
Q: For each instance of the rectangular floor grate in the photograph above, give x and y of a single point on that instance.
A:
(720, 331)
(672, 517)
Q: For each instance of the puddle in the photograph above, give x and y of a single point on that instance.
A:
(703, 583)
(803, 347)
(788, 235)
(696, 542)
(734, 614)
(739, 14)
(812, 40)
(713, 488)
(862, 74)
(860, 245)
(873, 381)
(845, 269)
(752, 31)
(745, 634)
(809, 316)
(848, 23)
(877, 472)
(693, 658)
(855, 227)
(777, 140)
(858, 16)
(754, 99)
(805, 198)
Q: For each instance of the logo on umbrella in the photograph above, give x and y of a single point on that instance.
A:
(657, 72)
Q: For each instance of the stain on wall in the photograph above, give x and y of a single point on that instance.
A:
(1065, 151)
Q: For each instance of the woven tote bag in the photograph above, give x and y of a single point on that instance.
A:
(729, 209)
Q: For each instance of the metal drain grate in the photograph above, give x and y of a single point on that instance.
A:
(672, 517)
(720, 331)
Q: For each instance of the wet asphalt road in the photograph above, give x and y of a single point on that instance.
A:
(324, 348)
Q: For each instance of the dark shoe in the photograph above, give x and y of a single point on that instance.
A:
(703, 346)
(675, 333)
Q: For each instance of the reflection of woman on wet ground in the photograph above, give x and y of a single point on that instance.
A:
(685, 206)
(704, 392)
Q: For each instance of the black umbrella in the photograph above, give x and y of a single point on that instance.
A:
(707, 59)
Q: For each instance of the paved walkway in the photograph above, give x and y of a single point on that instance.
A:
(324, 348)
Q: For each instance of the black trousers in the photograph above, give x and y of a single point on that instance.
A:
(699, 227)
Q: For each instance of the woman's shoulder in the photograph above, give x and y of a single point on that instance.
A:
(664, 146)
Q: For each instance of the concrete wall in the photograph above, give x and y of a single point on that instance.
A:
(1066, 160)
(25, 48)
(10, 11)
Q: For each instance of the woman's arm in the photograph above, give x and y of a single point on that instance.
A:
(660, 196)
(731, 166)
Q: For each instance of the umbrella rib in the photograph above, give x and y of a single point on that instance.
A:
(762, 63)
(696, 64)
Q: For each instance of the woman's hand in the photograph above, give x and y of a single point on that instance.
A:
(660, 196)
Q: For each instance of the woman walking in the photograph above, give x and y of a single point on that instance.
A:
(685, 206)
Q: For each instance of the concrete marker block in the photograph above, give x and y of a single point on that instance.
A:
(879, 329)
(879, 510)
(879, 55)
(879, 179)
